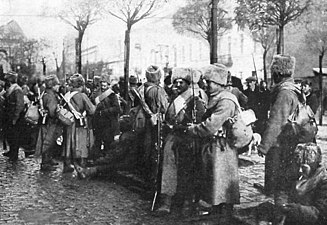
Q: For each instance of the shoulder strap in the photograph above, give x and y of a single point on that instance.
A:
(103, 96)
(142, 100)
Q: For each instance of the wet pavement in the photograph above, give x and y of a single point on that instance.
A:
(30, 196)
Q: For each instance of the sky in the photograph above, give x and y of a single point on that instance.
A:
(28, 14)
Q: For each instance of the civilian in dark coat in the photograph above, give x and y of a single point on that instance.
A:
(311, 97)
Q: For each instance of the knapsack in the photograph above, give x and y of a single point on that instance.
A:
(301, 124)
(238, 128)
(32, 114)
(142, 112)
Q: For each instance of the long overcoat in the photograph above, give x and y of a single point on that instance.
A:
(219, 160)
(78, 139)
(181, 151)
(284, 100)
(51, 130)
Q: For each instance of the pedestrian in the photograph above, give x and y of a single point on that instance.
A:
(264, 106)
(180, 150)
(105, 119)
(252, 93)
(277, 147)
(77, 139)
(220, 180)
(311, 97)
(50, 129)
(13, 114)
(241, 97)
(157, 100)
(306, 202)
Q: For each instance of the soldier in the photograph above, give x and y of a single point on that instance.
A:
(220, 181)
(306, 202)
(13, 113)
(50, 128)
(157, 100)
(77, 138)
(105, 119)
(285, 98)
(180, 151)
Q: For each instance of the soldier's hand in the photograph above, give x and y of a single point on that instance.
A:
(261, 153)
(180, 128)
(14, 122)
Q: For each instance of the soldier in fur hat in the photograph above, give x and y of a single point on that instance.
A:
(13, 113)
(306, 202)
(105, 119)
(220, 183)
(180, 151)
(50, 130)
(157, 101)
(78, 138)
(278, 148)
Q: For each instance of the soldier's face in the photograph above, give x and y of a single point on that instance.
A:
(181, 85)
(212, 87)
(104, 86)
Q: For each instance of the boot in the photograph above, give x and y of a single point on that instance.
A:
(47, 167)
(187, 209)
(164, 208)
(83, 162)
(68, 167)
(7, 154)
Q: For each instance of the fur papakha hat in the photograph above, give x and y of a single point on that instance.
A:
(153, 74)
(181, 73)
(105, 78)
(11, 76)
(308, 153)
(216, 73)
(283, 65)
(76, 80)
(51, 81)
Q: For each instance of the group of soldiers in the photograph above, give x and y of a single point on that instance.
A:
(182, 147)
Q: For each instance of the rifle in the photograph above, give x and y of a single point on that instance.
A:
(76, 114)
(194, 143)
(255, 68)
(158, 159)
(42, 111)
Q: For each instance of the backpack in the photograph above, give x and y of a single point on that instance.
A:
(238, 128)
(301, 125)
(142, 112)
(32, 114)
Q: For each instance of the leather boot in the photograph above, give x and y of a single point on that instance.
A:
(187, 209)
(164, 208)
(68, 167)
(83, 162)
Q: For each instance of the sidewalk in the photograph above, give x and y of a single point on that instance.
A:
(253, 172)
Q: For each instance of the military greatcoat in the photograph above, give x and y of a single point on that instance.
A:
(220, 181)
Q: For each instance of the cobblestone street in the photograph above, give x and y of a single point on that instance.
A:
(29, 196)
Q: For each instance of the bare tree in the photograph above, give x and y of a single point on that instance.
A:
(195, 19)
(266, 37)
(264, 13)
(131, 12)
(80, 14)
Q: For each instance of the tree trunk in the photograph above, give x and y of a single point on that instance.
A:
(265, 77)
(214, 24)
(127, 56)
(321, 56)
(79, 52)
(280, 40)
